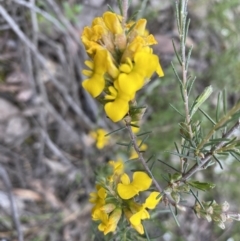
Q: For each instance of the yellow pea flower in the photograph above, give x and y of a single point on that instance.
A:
(119, 107)
(145, 64)
(118, 169)
(118, 166)
(121, 60)
(109, 223)
(141, 182)
(89, 38)
(96, 83)
(97, 198)
(153, 199)
(112, 22)
(150, 203)
(128, 213)
(99, 136)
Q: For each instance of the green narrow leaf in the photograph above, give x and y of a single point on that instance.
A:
(201, 99)
(176, 53)
(203, 186)
(149, 158)
(207, 116)
(137, 126)
(120, 129)
(188, 57)
(189, 148)
(151, 167)
(185, 166)
(144, 133)
(197, 199)
(168, 165)
(230, 141)
(176, 74)
(224, 101)
(218, 106)
(181, 155)
(110, 8)
(234, 155)
(146, 233)
(144, 139)
(175, 144)
(219, 163)
(176, 110)
(133, 16)
(191, 85)
(122, 144)
(120, 7)
(186, 31)
(183, 148)
(178, 17)
(174, 216)
(142, 8)
(131, 28)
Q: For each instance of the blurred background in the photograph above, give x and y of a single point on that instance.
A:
(47, 157)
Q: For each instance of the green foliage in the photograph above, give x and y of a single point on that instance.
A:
(201, 138)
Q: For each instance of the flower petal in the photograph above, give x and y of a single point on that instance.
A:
(152, 201)
(112, 22)
(126, 191)
(130, 83)
(117, 109)
(141, 181)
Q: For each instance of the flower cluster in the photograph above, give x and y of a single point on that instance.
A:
(218, 213)
(115, 198)
(122, 62)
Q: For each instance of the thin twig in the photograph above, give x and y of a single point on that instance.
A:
(46, 15)
(140, 156)
(64, 20)
(15, 214)
(53, 147)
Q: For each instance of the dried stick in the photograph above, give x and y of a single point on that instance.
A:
(15, 214)
(64, 20)
(46, 15)
(86, 122)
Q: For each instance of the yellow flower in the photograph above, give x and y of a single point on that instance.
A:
(145, 64)
(141, 213)
(112, 22)
(109, 223)
(96, 83)
(118, 166)
(141, 182)
(97, 198)
(119, 107)
(123, 61)
(99, 136)
(118, 169)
